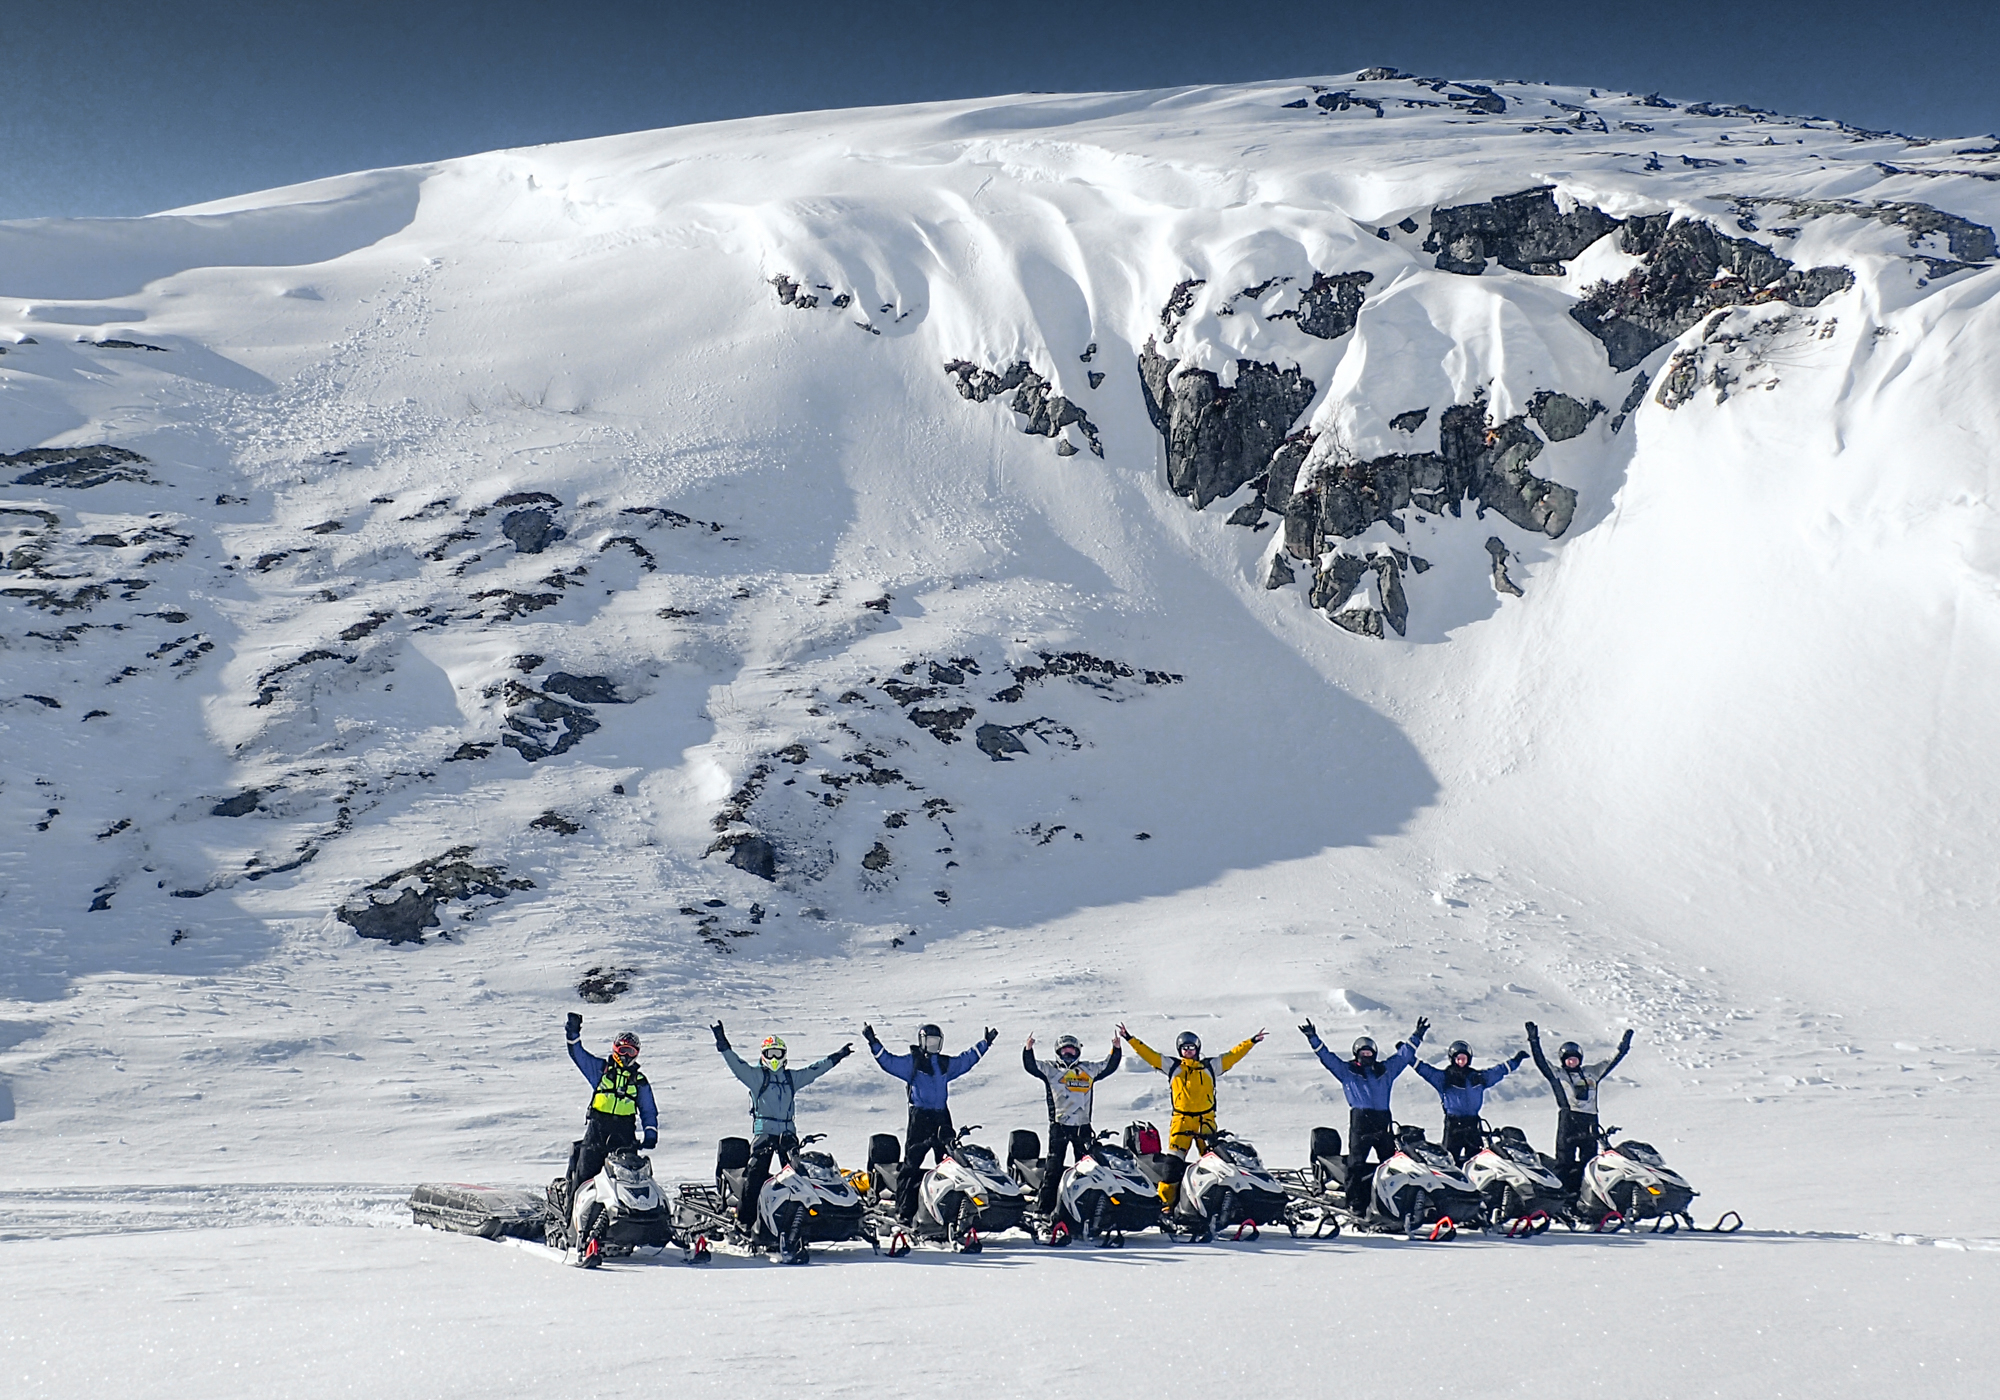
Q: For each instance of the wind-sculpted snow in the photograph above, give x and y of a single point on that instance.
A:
(1355, 548)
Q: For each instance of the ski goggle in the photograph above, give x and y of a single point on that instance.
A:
(1366, 1052)
(625, 1049)
(775, 1055)
(933, 1044)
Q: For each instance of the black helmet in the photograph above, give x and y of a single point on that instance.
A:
(1567, 1049)
(1364, 1043)
(1068, 1047)
(1186, 1041)
(1455, 1049)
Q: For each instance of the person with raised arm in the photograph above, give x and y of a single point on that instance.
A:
(1463, 1090)
(928, 1072)
(1576, 1085)
(1191, 1078)
(1069, 1083)
(773, 1093)
(1367, 1081)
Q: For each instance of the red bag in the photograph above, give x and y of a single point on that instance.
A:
(1147, 1138)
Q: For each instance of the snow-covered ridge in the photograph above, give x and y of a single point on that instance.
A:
(769, 546)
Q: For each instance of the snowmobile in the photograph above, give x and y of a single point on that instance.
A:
(1101, 1197)
(1421, 1186)
(1516, 1185)
(1229, 1186)
(619, 1210)
(1630, 1183)
(968, 1195)
(808, 1200)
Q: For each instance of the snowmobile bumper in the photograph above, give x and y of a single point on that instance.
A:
(648, 1229)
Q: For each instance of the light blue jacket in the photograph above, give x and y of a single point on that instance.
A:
(772, 1092)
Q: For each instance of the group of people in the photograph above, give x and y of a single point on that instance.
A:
(623, 1113)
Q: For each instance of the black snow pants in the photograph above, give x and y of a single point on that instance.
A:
(1462, 1138)
(1075, 1139)
(1367, 1130)
(930, 1132)
(1576, 1144)
(603, 1134)
(762, 1148)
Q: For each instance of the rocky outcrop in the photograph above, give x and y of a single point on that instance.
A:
(1525, 232)
(445, 879)
(1218, 439)
(1497, 548)
(1690, 270)
(1044, 413)
(1561, 417)
(540, 726)
(78, 468)
(1474, 461)
(1329, 307)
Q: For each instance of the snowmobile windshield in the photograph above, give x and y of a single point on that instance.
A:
(977, 1157)
(1111, 1154)
(1642, 1153)
(1241, 1154)
(819, 1167)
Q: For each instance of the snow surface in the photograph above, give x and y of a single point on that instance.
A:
(1722, 774)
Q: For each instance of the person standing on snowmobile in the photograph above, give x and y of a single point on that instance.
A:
(1367, 1080)
(620, 1095)
(773, 1091)
(1192, 1082)
(928, 1072)
(1576, 1086)
(1463, 1090)
(1068, 1081)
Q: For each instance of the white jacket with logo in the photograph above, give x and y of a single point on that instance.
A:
(1069, 1086)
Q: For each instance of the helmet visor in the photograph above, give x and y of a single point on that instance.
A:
(933, 1045)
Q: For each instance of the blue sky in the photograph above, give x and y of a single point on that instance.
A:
(128, 106)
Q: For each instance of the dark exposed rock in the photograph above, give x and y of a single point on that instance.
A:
(1283, 477)
(532, 531)
(877, 858)
(1525, 232)
(364, 627)
(241, 805)
(1680, 379)
(469, 751)
(1967, 241)
(1497, 547)
(1336, 580)
(526, 498)
(116, 344)
(998, 741)
(1488, 465)
(1411, 421)
(1249, 513)
(604, 985)
(1633, 399)
(589, 690)
(1329, 308)
(326, 527)
(542, 726)
(1477, 97)
(47, 701)
(556, 822)
(944, 724)
(1047, 414)
(267, 691)
(77, 467)
(1279, 574)
(1395, 604)
(512, 604)
(1180, 301)
(1380, 75)
(753, 855)
(527, 661)
(1690, 270)
(440, 880)
(1561, 417)
(1096, 377)
(1218, 439)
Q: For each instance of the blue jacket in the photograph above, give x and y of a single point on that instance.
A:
(930, 1087)
(1370, 1090)
(772, 1092)
(1463, 1100)
(593, 1070)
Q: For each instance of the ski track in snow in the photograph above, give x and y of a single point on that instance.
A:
(1032, 742)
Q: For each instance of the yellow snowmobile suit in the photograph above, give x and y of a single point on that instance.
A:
(1193, 1090)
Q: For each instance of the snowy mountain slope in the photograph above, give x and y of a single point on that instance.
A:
(519, 541)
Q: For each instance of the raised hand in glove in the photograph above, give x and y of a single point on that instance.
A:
(1423, 1029)
(991, 1036)
(1519, 1055)
(721, 1040)
(843, 1052)
(868, 1034)
(1258, 1038)
(1308, 1030)
(1626, 1043)
(573, 1027)
(1534, 1031)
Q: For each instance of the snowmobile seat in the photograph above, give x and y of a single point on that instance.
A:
(883, 1148)
(732, 1164)
(1028, 1171)
(1323, 1157)
(1410, 1135)
(1160, 1167)
(1023, 1145)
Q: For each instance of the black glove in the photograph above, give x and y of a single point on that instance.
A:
(1534, 1033)
(652, 1140)
(721, 1040)
(993, 1035)
(843, 1052)
(1626, 1043)
(868, 1034)
(1307, 1030)
(1519, 1055)
(1423, 1028)
(573, 1027)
